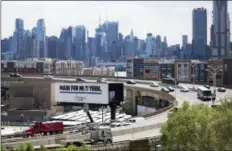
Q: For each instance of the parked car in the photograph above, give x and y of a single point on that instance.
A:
(184, 89)
(171, 89)
(165, 90)
(48, 77)
(207, 86)
(102, 80)
(15, 75)
(154, 84)
(221, 89)
(130, 82)
(80, 80)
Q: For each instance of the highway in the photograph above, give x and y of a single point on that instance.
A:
(190, 96)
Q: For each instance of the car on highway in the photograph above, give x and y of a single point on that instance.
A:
(48, 77)
(115, 124)
(78, 129)
(207, 86)
(15, 75)
(221, 89)
(171, 89)
(165, 90)
(154, 84)
(130, 82)
(184, 89)
(102, 80)
(81, 80)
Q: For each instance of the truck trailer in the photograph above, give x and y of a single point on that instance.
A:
(44, 128)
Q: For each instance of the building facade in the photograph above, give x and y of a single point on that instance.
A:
(134, 68)
(219, 78)
(183, 71)
(150, 69)
(199, 73)
(166, 69)
(227, 72)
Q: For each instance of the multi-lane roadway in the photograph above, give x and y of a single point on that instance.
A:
(190, 97)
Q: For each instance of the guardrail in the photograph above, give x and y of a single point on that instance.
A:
(117, 77)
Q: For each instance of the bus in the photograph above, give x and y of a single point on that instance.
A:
(205, 94)
(169, 80)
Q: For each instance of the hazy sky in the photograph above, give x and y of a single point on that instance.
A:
(167, 18)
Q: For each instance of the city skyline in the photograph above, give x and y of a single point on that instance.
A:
(138, 17)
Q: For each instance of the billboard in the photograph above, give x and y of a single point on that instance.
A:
(91, 93)
(116, 91)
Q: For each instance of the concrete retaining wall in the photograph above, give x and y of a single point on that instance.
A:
(134, 129)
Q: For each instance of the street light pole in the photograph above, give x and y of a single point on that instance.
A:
(69, 66)
(17, 63)
(214, 73)
(193, 75)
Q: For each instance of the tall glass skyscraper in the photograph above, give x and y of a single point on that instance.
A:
(41, 47)
(18, 38)
(199, 33)
(220, 38)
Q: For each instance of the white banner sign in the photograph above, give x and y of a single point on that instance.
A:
(91, 93)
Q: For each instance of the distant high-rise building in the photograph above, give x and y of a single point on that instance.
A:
(41, 47)
(149, 45)
(199, 33)
(129, 46)
(32, 44)
(184, 41)
(19, 24)
(26, 44)
(220, 38)
(52, 47)
(92, 50)
(80, 42)
(157, 49)
(112, 37)
(18, 37)
(5, 45)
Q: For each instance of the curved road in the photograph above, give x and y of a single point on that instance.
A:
(190, 96)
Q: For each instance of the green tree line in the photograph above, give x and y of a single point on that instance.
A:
(199, 127)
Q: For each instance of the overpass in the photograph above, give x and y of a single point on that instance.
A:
(150, 128)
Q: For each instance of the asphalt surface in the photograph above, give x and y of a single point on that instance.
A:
(190, 97)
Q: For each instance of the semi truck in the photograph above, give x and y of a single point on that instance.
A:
(44, 128)
(101, 134)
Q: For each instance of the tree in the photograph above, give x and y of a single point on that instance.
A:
(29, 147)
(20, 148)
(84, 148)
(199, 127)
(3, 148)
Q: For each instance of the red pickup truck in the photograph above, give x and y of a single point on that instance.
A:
(44, 128)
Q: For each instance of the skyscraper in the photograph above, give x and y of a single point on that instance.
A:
(157, 46)
(220, 41)
(41, 47)
(18, 36)
(80, 42)
(184, 41)
(112, 37)
(199, 33)
(52, 47)
(149, 45)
